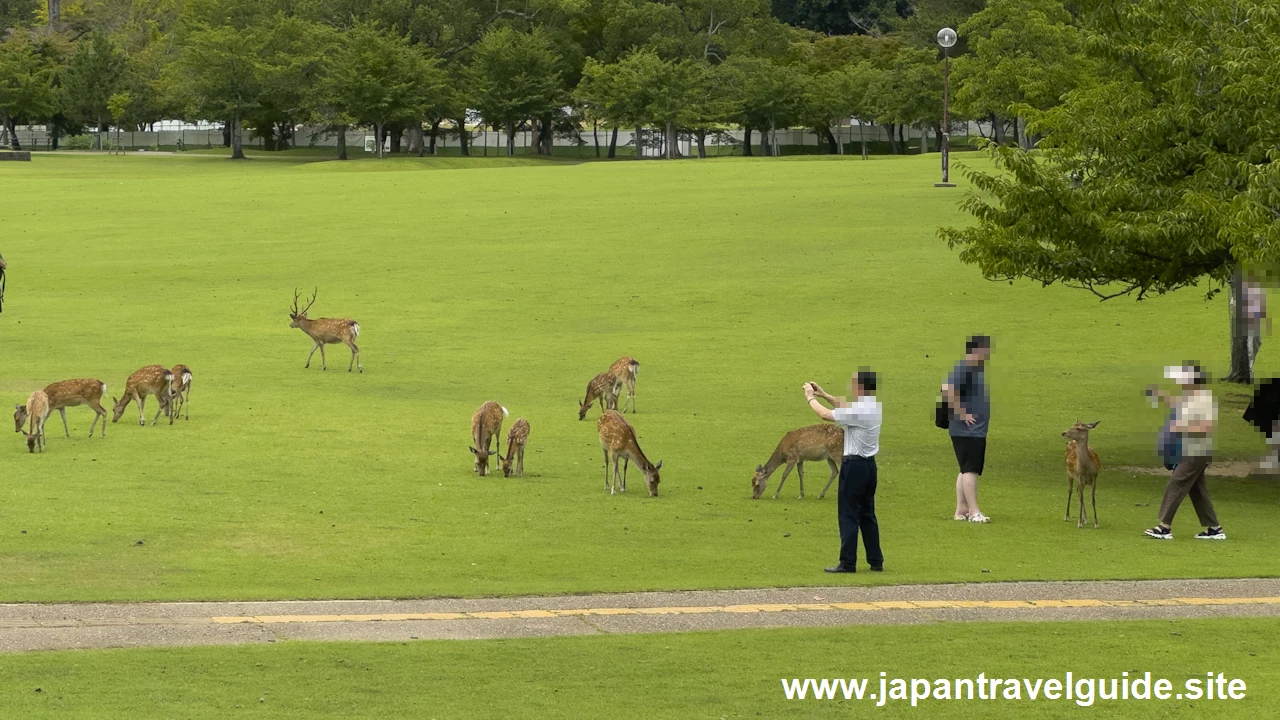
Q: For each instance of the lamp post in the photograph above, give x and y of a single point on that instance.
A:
(946, 38)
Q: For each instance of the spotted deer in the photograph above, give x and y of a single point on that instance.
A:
(37, 411)
(150, 380)
(1083, 465)
(180, 392)
(812, 443)
(625, 369)
(486, 425)
(603, 387)
(517, 436)
(326, 331)
(70, 393)
(618, 439)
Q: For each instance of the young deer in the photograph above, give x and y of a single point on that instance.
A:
(180, 393)
(1083, 465)
(618, 438)
(486, 424)
(37, 410)
(150, 380)
(603, 387)
(326, 331)
(70, 393)
(625, 369)
(815, 442)
(517, 436)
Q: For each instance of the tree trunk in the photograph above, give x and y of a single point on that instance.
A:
(464, 136)
(435, 136)
(833, 147)
(702, 143)
(862, 135)
(773, 140)
(613, 144)
(839, 139)
(595, 135)
(893, 139)
(746, 141)
(672, 148)
(764, 143)
(55, 11)
(394, 132)
(639, 144)
(902, 138)
(535, 136)
(97, 136)
(13, 135)
(379, 132)
(1240, 365)
(924, 140)
(237, 142)
(548, 135)
(226, 134)
(511, 138)
(342, 142)
(414, 139)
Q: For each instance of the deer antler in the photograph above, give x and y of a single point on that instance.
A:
(293, 311)
(311, 302)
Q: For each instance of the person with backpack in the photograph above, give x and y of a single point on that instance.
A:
(966, 409)
(1195, 415)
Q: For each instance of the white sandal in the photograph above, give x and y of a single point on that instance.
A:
(960, 517)
(979, 518)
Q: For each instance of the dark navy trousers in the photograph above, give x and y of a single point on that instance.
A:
(856, 503)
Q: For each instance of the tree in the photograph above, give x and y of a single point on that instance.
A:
(513, 77)
(17, 13)
(772, 95)
(842, 17)
(221, 76)
(908, 93)
(1160, 174)
(377, 78)
(94, 73)
(118, 105)
(26, 83)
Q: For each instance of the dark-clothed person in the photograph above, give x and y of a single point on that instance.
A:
(966, 395)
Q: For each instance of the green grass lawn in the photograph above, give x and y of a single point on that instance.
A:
(732, 281)
(691, 675)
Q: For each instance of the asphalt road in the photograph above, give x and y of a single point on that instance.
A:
(28, 627)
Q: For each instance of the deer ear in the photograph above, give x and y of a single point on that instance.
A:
(473, 450)
(658, 466)
(1094, 424)
(759, 468)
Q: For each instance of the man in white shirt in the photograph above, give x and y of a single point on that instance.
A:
(856, 498)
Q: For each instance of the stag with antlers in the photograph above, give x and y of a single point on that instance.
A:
(326, 331)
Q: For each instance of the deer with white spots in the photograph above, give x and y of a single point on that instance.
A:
(517, 436)
(604, 388)
(37, 412)
(180, 393)
(154, 380)
(70, 393)
(625, 369)
(618, 440)
(326, 331)
(486, 425)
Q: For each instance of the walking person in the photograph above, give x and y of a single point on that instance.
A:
(1253, 316)
(966, 396)
(856, 497)
(1195, 418)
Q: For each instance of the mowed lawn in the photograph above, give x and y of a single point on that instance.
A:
(732, 281)
(689, 675)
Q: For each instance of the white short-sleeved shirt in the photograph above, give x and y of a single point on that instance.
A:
(861, 422)
(1196, 405)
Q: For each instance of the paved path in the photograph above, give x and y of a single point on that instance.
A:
(26, 627)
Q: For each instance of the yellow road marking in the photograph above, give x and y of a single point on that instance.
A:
(752, 608)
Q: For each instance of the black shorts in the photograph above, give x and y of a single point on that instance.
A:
(971, 453)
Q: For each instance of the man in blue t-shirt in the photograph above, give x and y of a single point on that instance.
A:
(966, 394)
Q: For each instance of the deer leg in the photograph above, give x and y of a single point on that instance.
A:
(835, 470)
(606, 469)
(324, 364)
(626, 461)
(1080, 520)
(1071, 486)
(613, 489)
(142, 416)
(63, 413)
(186, 396)
(98, 414)
(1093, 498)
(355, 355)
(785, 473)
(162, 406)
(311, 355)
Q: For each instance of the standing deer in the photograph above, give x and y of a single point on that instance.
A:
(517, 436)
(1083, 465)
(326, 331)
(603, 387)
(486, 424)
(618, 438)
(180, 393)
(150, 380)
(625, 369)
(70, 393)
(37, 412)
(815, 442)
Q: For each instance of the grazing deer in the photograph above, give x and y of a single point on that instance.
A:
(326, 331)
(517, 436)
(180, 393)
(37, 412)
(603, 387)
(625, 369)
(150, 380)
(1083, 465)
(618, 438)
(70, 393)
(815, 442)
(486, 424)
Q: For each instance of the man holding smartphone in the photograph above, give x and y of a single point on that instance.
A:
(856, 498)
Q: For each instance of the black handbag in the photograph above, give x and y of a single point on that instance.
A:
(942, 413)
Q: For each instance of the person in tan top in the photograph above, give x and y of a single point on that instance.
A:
(1196, 417)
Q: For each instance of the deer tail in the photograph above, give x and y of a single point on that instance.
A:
(355, 329)
(504, 412)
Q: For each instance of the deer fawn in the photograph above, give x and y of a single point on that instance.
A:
(618, 438)
(486, 424)
(625, 369)
(326, 331)
(517, 436)
(1083, 465)
(150, 380)
(180, 393)
(603, 387)
(815, 442)
(37, 412)
(70, 393)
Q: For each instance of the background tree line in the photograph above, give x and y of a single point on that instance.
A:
(412, 70)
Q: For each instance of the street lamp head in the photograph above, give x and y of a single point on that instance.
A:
(946, 37)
